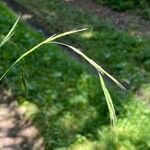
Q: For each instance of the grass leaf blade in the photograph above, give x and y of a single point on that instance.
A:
(10, 33)
(50, 39)
(108, 100)
(94, 64)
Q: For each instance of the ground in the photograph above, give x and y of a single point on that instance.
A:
(122, 20)
(16, 133)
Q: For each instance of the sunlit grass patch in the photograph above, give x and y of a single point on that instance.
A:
(27, 108)
(87, 34)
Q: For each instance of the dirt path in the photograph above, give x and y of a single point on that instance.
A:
(16, 133)
(122, 20)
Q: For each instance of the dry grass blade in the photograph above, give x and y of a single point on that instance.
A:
(108, 100)
(100, 71)
(94, 64)
(50, 39)
(54, 37)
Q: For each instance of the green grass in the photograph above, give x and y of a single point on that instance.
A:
(132, 127)
(116, 50)
(65, 100)
(141, 7)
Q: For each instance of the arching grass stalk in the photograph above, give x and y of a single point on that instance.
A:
(112, 113)
(100, 70)
(50, 39)
(7, 39)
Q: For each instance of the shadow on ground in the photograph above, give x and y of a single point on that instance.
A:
(16, 133)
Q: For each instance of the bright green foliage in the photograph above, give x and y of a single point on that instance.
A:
(132, 131)
(133, 128)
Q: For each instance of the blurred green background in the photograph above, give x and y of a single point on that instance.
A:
(65, 99)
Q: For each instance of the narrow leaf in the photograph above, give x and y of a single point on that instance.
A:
(50, 39)
(94, 64)
(23, 80)
(108, 100)
(10, 33)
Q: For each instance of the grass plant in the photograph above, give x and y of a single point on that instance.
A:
(95, 65)
(66, 104)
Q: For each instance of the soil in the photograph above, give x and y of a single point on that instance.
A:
(122, 20)
(16, 132)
